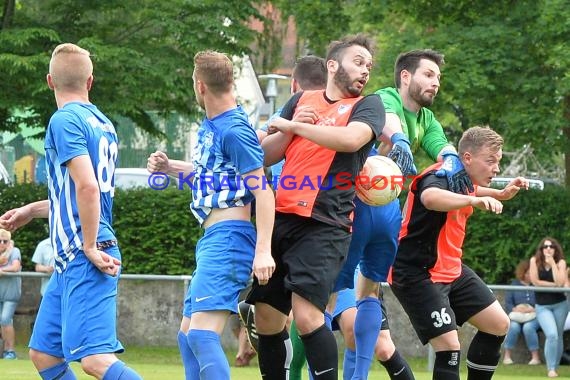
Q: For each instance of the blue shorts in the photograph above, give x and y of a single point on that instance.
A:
(224, 261)
(374, 243)
(78, 312)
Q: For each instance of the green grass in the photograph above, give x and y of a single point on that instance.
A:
(163, 363)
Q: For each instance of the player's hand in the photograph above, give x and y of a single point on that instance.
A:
(513, 188)
(487, 204)
(15, 218)
(279, 124)
(401, 154)
(263, 267)
(157, 162)
(103, 261)
(306, 114)
(457, 178)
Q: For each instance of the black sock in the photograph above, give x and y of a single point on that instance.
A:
(398, 368)
(322, 353)
(483, 356)
(446, 365)
(274, 355)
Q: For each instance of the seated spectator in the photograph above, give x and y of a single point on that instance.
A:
(548, 269)
(10, 291)
(44, 258)
(522, 301)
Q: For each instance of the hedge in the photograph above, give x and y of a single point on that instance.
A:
(158, 234)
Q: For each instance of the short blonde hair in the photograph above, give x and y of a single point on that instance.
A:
(5, 234)
(476, 138)
(215, 69)
(70, 67)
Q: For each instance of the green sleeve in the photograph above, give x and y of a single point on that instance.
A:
(433, 139)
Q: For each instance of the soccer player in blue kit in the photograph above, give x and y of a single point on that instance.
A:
(227, 174)
(77, 316)
(410, 125)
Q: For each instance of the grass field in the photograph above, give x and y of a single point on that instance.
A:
(164, 364)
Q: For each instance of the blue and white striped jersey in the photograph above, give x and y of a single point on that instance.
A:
(74, 130)
(226, 148)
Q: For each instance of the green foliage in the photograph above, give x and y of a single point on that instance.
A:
(496, 243)
(142, 51)
(318, 22)
(156, 232)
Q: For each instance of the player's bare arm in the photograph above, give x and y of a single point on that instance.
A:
(88, 206)
(393, 125)
(274, 147)
(444, 200)
(509, 192)
(13, 219)
(263, 263)
(159, 162)
(341, 139)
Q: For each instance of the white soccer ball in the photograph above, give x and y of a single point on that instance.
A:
(379, 182)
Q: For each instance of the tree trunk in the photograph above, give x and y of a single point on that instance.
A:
(566, 133)
(8, 14)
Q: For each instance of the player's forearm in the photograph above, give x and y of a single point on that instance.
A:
(39, 209)
(274, 147)
(89, 209)
(337, 138)
(443, 200)
(392, 125)
(175, 167)
(264, 218)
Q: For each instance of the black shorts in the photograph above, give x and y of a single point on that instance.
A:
(435, 308)
(385, 325)
(308, 256)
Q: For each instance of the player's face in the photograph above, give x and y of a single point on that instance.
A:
(483, 165)
(199, 97)
(353, 71)
(424, 83)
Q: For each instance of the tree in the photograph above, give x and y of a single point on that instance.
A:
(142, 51)
(507, 62)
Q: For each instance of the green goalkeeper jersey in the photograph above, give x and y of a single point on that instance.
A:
(422, 128)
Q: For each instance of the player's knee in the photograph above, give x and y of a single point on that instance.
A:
(96, 365)
(500, 325)
(384, 349)
(40, 359)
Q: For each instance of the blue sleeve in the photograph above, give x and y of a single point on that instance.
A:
(265, 126)
(68, 136)
(242, 147)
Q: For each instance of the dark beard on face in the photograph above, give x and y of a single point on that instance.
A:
(343, 81)
(415, 92)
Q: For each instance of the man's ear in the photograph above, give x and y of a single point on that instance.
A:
(49, 81)
(332, 66)
(466, 158)
(90, 82)
(405, 77)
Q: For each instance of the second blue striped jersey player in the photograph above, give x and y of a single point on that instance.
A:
(227, 174)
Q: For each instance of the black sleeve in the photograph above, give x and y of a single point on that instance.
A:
(431, 180)
(370, 110)
(289, 108)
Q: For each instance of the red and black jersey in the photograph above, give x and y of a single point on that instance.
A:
(317, 182)
(430, 241)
